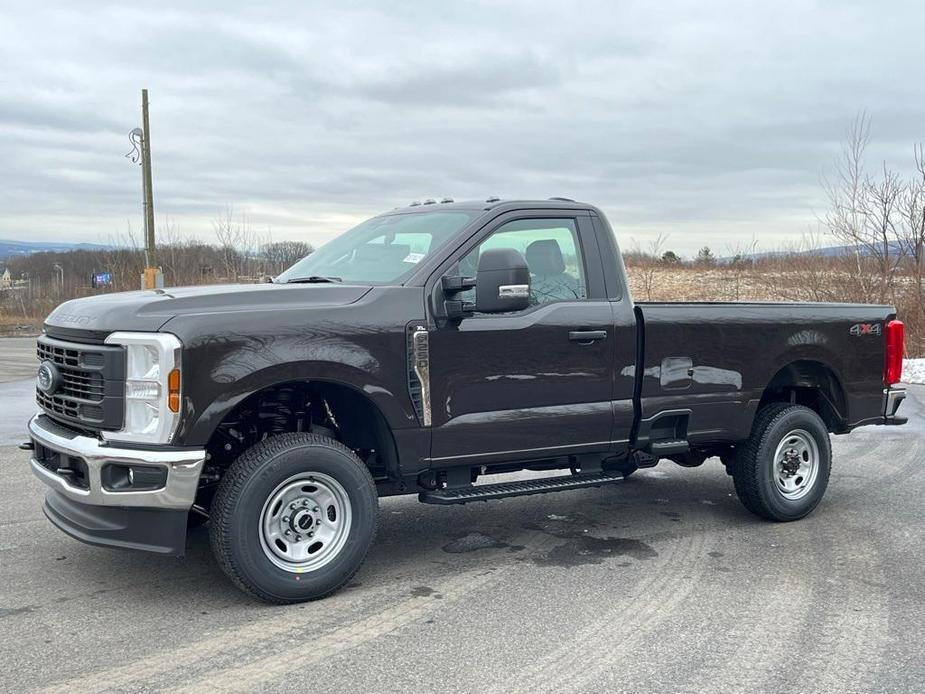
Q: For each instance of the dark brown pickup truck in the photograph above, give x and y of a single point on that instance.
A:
(420, 352)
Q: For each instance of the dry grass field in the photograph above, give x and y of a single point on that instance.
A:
(686, 283)
(806, 280)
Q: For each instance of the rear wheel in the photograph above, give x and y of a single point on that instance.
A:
(294, 517)
(781, 472)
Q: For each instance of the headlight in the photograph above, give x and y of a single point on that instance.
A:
(152, 387)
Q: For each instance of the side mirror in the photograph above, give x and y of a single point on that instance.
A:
(502, 282)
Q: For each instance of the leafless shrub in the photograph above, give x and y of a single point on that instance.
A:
(738, 264)
(283, 254)
(647, 262)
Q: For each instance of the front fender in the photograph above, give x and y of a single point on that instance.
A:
(220, 369)
(199, 424)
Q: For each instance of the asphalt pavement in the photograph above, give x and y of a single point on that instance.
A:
(17, 358)
(663, 583)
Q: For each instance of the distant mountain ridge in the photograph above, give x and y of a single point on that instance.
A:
(826, 251)
(10, 249)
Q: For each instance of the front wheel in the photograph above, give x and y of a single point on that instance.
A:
(294, 517)
(781, 472)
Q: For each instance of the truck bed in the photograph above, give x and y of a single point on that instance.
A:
(717, 359)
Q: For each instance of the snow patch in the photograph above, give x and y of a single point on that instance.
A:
(913, 371)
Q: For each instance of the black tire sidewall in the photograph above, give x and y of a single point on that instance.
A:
(796, 418)
(245, 524)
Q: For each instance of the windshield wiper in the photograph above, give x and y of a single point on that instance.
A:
(314, 279)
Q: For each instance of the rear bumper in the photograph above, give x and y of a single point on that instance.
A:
(892, 399)
(92, 498)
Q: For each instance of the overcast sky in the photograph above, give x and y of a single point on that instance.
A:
(708, 121)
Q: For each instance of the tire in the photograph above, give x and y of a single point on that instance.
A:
(253, 526)
(782, 470)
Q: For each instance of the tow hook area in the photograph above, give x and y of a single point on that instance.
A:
(892, 399)
(27, 446)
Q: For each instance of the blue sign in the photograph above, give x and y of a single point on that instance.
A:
(101, 279)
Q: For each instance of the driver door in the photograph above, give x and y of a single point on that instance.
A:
(533, 383)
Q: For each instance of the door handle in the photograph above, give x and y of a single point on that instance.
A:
(587, 335)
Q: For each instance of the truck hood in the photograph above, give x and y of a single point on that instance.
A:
(93, 318)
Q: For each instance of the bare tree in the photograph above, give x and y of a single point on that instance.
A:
(652, 261)
(283, 254)
(912, 206)
(884, 236)
(180, 258)
(238, 242)
(740, 262)
(863, 216)
(123, 259)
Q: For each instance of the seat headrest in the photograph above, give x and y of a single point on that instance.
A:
(545, 257)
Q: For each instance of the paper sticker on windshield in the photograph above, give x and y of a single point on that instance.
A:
(413, 258)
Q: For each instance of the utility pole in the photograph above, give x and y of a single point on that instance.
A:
(152, 277)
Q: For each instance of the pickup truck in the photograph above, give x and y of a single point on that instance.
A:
(423, 352)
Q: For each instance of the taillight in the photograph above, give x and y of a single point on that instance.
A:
(895, 343)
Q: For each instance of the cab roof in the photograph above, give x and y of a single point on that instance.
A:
(491, 203)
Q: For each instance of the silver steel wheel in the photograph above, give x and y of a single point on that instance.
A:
(305, 522)
(796, 464)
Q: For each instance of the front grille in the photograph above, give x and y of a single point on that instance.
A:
(83, 384)
(91, 387)
(75, 382)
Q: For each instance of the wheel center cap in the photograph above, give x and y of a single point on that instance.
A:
(790, 464)
(302, 521)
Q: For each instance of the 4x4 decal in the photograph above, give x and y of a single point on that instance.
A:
(859, 329)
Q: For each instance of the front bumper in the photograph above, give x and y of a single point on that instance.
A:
(892, 399)
(83, 503)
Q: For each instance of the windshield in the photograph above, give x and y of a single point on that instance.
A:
(381, 250)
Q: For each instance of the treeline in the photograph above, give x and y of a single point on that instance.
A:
(39, 282)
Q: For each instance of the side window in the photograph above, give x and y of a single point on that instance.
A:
(551, 249)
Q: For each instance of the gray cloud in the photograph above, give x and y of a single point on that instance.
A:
(708, 122)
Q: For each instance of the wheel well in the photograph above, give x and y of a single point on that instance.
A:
(813, 385)
(319, 407)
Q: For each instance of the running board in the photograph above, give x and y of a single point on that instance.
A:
(487, 492)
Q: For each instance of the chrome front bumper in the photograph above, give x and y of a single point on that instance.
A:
(182, 466)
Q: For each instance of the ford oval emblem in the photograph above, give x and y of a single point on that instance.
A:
(48, 378)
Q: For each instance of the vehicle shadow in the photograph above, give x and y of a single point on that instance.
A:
(651, 507)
